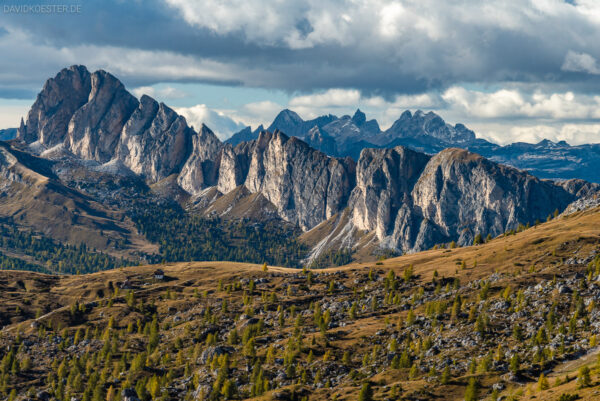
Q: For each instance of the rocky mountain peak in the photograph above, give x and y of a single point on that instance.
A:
(428, 125)
(95, 128)
(287, 121)
(359, 117)
(245, 135)
(288, 116)
(61, 96)
(96, 118)
(318, 139)
(410, 200)
(406, 115)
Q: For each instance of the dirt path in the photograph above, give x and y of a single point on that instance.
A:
(570, 366)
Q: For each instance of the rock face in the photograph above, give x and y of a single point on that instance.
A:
(95, 118)
(201, 168)
(384, 182)
(94, 129)
(305, 185)
(412, 201)
(491, 198)
(48, 118)
(407, 199)
(426, 125)
(155, 140)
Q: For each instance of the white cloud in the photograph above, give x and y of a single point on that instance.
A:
(10, 116)
(162, 93)
(124, 62)
(574, 134)
(329, 98)
(257, 113)
(218, 121)
(346, 101)
(512, 103)
(272, 22)
(268, 22)
(373, 45)
(580, 62)
(343, 98)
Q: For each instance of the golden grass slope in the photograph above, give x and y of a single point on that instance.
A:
(528, 257)
(33, 197)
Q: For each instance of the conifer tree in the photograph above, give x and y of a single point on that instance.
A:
(366, 392)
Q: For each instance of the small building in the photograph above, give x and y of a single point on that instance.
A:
(159, 274)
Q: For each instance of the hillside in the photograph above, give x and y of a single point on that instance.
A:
(484, 320)
(33, 197)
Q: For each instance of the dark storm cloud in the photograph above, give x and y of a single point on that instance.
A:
(379, 47)
(16, 93)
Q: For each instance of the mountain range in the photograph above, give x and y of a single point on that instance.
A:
(8, 134)
(342, 182)
(429, 133)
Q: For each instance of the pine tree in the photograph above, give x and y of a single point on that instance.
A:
(445, 379)
(583, 378)
(395, 362)
(366, 392)
(472, 391)
(353, 309)
(228, 389)
(111, 394)
(410, 317)
(543, 383)
(98, 394)
(515, 363)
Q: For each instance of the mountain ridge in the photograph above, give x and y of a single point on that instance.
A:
(407, 198)
(429, 133)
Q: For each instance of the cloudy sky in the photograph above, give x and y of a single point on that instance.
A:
(510, 70)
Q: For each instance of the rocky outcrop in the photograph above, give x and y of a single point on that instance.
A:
(233, 168)
(463, 194)
(305, 185)
(155, 140)
(201, 170)
(426, 125)
(95, 128)
(95, 118)
(384, 182)
(412, 201)
(48, 118)
(404, 199)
